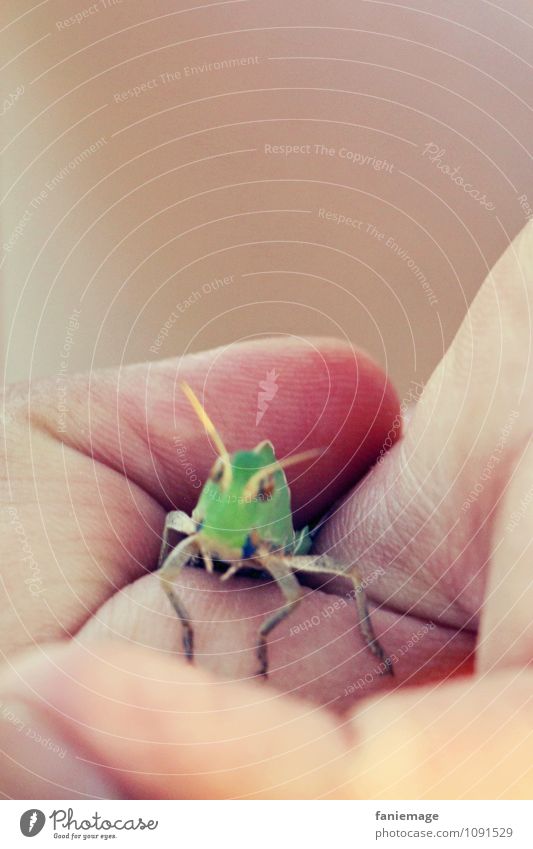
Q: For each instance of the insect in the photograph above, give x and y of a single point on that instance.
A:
(243, 520)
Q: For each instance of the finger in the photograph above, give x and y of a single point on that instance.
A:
(463, 740)
(506, 637)
(319, 393)
(317, 652)
(219, 723)
(156, 729)
(87, 489)
(426, 513)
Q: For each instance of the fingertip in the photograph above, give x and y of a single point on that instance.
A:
(298, 393)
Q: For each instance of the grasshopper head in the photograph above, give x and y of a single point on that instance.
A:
(246, 498)
(238, 501)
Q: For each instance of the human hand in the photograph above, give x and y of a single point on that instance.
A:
(152, 726)
(84, 507)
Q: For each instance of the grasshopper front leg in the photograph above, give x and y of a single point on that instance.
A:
(281, 570)
(171, 568)
(177, 521)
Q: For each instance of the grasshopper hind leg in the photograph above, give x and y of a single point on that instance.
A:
(323, 565)
(365, 624)
(303, 542)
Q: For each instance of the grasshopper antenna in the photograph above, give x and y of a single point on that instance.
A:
(254, 482)
(209, 428)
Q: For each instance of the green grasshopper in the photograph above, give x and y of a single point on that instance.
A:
(243, 520)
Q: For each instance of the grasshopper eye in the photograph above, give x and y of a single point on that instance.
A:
(220, 473)
(265, 488)
(217, 472)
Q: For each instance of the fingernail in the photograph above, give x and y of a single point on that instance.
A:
(39, 761)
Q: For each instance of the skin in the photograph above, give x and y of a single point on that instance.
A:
(96, 664)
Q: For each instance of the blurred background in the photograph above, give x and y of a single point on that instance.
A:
(180, 175)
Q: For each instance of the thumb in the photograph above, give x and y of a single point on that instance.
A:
(426, 511)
